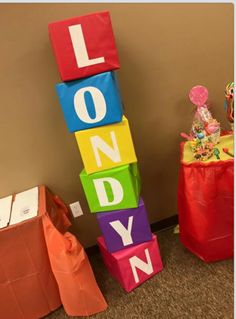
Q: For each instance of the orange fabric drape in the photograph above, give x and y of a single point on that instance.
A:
(78, 288)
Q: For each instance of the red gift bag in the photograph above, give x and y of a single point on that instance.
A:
(205, 208)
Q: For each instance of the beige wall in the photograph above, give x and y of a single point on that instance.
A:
(164, 50)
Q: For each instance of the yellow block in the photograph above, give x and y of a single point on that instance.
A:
(106, 146)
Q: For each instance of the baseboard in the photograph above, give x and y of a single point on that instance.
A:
(164, 223)
(160, 225)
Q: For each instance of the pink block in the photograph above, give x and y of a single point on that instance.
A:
(132, 266)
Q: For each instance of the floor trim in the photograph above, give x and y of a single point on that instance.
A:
(164, 223)
(160, 225)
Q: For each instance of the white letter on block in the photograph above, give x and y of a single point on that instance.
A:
(99, 104)
(116, 187)
(124, 233)
(145, 267)
(80, 49)
(112, 153)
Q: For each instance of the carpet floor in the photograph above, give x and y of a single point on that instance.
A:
(186, 288)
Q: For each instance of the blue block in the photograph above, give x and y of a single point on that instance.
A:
(90, 102)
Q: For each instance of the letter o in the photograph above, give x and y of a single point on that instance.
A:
(99, 104)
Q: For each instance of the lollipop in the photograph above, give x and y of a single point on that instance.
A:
(216, 152)
(229, 96)
(205, 130)
(229, 91)
(198, 95)
(226, 150)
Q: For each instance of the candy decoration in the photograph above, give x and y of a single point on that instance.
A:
(200, 135)
(229, 96)
(205, 130)
(186, 136)
(202, 149)
(198, 95)
(216, 152)
(226, 150)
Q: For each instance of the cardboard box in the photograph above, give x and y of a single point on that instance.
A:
(112, 189)
(106, 147)
(132, 266)
(125, 228)
(91, 102)
(84, 45)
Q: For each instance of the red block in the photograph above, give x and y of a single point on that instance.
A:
(84, 45)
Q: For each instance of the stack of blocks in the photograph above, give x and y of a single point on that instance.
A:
(90, 99)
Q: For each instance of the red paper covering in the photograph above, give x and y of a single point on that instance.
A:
(119, 266)
(99, 40)
(205, 207)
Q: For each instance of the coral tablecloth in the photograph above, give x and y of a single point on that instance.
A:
(32, 255)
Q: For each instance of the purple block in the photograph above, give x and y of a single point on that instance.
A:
(125, 228)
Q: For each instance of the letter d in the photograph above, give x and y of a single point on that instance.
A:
(116, 187)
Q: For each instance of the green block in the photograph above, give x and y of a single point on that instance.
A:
(112, 189)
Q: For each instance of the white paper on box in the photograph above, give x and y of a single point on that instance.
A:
(25, 206)
(5, 210)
